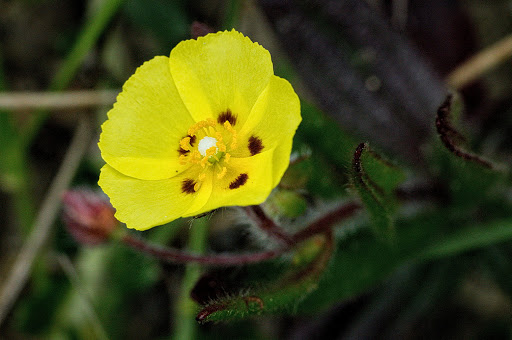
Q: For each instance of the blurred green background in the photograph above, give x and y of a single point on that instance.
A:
(429, 254)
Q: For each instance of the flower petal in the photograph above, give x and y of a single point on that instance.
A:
(141, 137)
(143, 204)
(248, 181)
(271, 125)
(220, 72)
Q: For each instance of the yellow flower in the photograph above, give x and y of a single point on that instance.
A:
(207, 127)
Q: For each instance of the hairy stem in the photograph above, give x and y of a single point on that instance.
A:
(256, 213)
(321, 225)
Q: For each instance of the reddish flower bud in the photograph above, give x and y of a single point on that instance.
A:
(199, 29)
(88, 215)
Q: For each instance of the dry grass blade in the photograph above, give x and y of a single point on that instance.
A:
(56, 100)
(86, 303)
(479, 64)
(44, 219)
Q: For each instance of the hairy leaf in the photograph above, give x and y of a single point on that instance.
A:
(300, 280)
(374, 180)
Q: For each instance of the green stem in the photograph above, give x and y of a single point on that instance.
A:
(87, 38)
(232, 13)
(14, 172)
(186, 309)
(3, 81)
(23, 199)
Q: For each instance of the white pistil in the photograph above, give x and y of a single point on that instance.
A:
(205, 144)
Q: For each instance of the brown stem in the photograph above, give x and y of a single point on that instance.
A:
(256, 213)
(321, 225)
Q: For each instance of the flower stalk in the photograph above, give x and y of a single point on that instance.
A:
(321, 225)
(185, 326)
(256, 213)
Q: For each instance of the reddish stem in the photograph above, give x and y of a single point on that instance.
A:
(323, 224)
(326, 222)
(256, 213)
(178, 256)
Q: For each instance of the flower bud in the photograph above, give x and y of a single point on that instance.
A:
(88, 216)
(286, 203)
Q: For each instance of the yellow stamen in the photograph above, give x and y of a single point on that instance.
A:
(185, 143)
(192, 130)
(222, 173)
(218, 136)
(234, 140)
(221, 146)
(227, 126)
(211, 151)
(183, 159)
(197, 186)
(213, 155)
(196, 155)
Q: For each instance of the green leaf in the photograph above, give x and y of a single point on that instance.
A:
(300, 280)
(362, 261)
(329, 149)
(374, 180)
(471, 178)
(381, 172)
(470, 238)
(325, 136)
(286, 203)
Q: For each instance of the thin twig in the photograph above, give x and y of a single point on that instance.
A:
(87, 305)
(479, 64)
(321, 225)
(56, 100)
(44, 219)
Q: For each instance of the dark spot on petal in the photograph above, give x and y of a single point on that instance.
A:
(187, 186)
(227, 116)
(182, 151)
(255, 145)
(192, 140)
(239, 181)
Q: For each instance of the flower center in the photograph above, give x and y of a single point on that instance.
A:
(207, 143)
(212, 151)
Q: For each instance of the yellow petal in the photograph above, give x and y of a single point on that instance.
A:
(141, 137)
(273, 120)
(220, 71)
(255, 182)
(143, 204)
